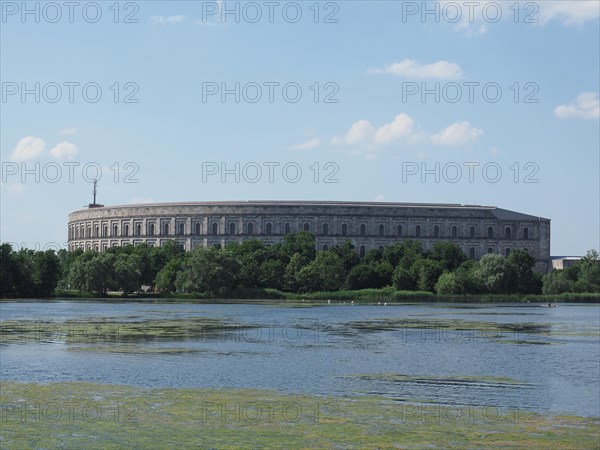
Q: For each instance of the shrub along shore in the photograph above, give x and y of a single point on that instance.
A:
(294, 270)
(362, 296)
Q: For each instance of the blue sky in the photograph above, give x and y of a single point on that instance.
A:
(375, 138)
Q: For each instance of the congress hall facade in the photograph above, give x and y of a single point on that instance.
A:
(477, 229)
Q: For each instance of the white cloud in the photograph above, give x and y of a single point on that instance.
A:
(585, 106)
(28, 148)
(470, 29)
(360, 132)
(409, 68)
(162, 20)
(14, 188)
(402, 126)
(379, 198)
(68, 131)
(65, 150)
(569, 12)
(310, 144)
(460, 133)
(364, 139)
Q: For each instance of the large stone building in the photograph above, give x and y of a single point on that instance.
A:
(477, 229)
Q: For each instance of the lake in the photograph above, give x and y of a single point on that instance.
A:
(493, 355)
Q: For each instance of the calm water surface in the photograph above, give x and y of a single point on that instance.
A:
(552, 367)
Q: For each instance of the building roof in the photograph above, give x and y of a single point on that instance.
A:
(499, 213)
(505, 214)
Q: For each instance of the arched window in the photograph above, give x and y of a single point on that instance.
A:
(215, 228)
(436, 231)
(104, 231)
(197, 229)
(152, 229)
(363, 229)
(306, 227)
(490, 250)
(472, 253)
(381, 230)
(89, 232)
(525, 233)
(114, 230)
(490, 233)
(399, 231)
(325, 247)
(472, 232)
(507, 233)
(181, 229)
(362, 251)
(96, 231)
(454, 231)
(232, 228)
(344, 229)
(166, 229)
(325, 229)
(418, 231)
(269, 228)
(251, 228)
(138, 229)
(288, 228)
(126, 230)
(381, 248)
(507, 252)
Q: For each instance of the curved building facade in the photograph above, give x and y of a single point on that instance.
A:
(477, 229)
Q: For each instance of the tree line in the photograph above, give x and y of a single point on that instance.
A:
(292, 266)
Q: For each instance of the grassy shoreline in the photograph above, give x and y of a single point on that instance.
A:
(361, 296)
(88, 415)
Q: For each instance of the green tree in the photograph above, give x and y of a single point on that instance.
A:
(362, 276)
(212, 271)
(166, 277)
(466, 275)
(325, 273)
(496, 275)
(302, 243)
(7, 269)
(527, 281)
(427, 272)
(45, 273)
(449, 254)
(291, 282)
(403, 279)
(408, 253)
(449, 283)
(556, 282)
(347, 252)
(66, 260)
(22, 273)
(128, 272)
(589, 273)
(271, 274)
(93, 272)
